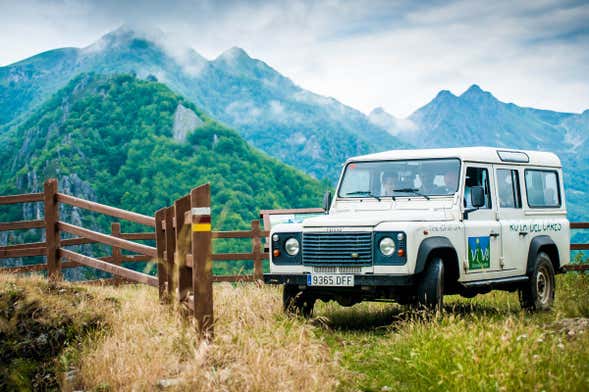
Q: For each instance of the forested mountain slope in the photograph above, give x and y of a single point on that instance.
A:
(136, 145)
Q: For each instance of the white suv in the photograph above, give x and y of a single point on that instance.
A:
(413, 225)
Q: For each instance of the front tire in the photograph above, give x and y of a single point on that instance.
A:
(538, 293)
(297, 302)
(430, 290)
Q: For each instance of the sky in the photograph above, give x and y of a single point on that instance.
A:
(392, 54)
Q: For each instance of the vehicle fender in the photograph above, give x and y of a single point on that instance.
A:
(536, 244)
(429, 245)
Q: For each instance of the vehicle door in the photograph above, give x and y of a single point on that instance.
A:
(482, 231)
(514, 239)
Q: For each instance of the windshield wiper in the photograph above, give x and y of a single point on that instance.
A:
(367, 193)
(412, 190)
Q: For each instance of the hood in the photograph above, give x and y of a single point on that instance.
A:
(374, 218)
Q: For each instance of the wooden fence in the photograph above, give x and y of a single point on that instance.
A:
(54, 248)
(184, 242)
(184, 239)
(579, 246)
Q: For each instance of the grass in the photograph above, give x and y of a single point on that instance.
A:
(484, 343)
(255, 346)
(38, 321)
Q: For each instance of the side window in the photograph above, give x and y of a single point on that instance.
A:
(508, 188)
(477, 176)
(542, 188)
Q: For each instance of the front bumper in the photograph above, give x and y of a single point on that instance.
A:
(359, 280)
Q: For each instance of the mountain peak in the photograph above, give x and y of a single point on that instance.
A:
(237, 61)
(125, 35)
(234, 54)
(475, 92)
(136, 31)
(444, 94)
(474, 88)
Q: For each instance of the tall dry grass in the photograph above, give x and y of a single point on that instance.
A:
(255, 347)
(484, 343)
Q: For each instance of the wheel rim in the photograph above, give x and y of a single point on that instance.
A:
(543, 286)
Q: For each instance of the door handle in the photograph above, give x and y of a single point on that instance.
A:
(494, 234)
(523, 233)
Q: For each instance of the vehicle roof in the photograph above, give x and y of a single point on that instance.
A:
(473, 154)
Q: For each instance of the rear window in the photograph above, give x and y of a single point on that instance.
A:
(542, 188)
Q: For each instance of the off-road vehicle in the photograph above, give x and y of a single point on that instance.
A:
(414, 225)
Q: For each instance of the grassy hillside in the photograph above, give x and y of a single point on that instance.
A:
(39, 322)
(485, 343)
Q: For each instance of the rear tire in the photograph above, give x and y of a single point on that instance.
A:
(430, 290)
(538, 292)
(297, 302)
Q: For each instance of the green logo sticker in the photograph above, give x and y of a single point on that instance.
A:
(479, 253)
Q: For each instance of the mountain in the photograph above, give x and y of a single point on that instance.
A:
(450, 120)
(137, 145)
(306, 130)
(476, 118)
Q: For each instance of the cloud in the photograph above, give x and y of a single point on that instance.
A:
(395, 54)
(243, 112)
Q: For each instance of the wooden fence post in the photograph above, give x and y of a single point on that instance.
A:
(51, 230)
(182, 247)
(170, 252)
(202, 265)
(115, 230)
(160, 243)
(116, 253)
(257, 249)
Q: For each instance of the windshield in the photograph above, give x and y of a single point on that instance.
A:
(425, 177)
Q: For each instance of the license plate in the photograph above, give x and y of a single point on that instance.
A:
(330, 280)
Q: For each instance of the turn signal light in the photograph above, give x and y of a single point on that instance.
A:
(276, 252)
(401, 252)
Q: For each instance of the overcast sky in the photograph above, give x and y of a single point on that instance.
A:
(394, 54)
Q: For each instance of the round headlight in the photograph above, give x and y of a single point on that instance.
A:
(275, 237)
(387, 246)
(400, 236)
(292, 246)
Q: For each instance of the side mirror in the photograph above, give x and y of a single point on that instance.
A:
(477, 196)
(326, 201)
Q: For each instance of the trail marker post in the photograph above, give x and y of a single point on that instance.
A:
(202, 265)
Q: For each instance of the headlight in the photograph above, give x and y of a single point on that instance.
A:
(387, 246)
(292, 246)
(275, 237)
(400, 236)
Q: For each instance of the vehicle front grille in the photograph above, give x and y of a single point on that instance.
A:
(337, 248)
(337, 269)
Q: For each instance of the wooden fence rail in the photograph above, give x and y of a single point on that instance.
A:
(26, 198)
(106, 210)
